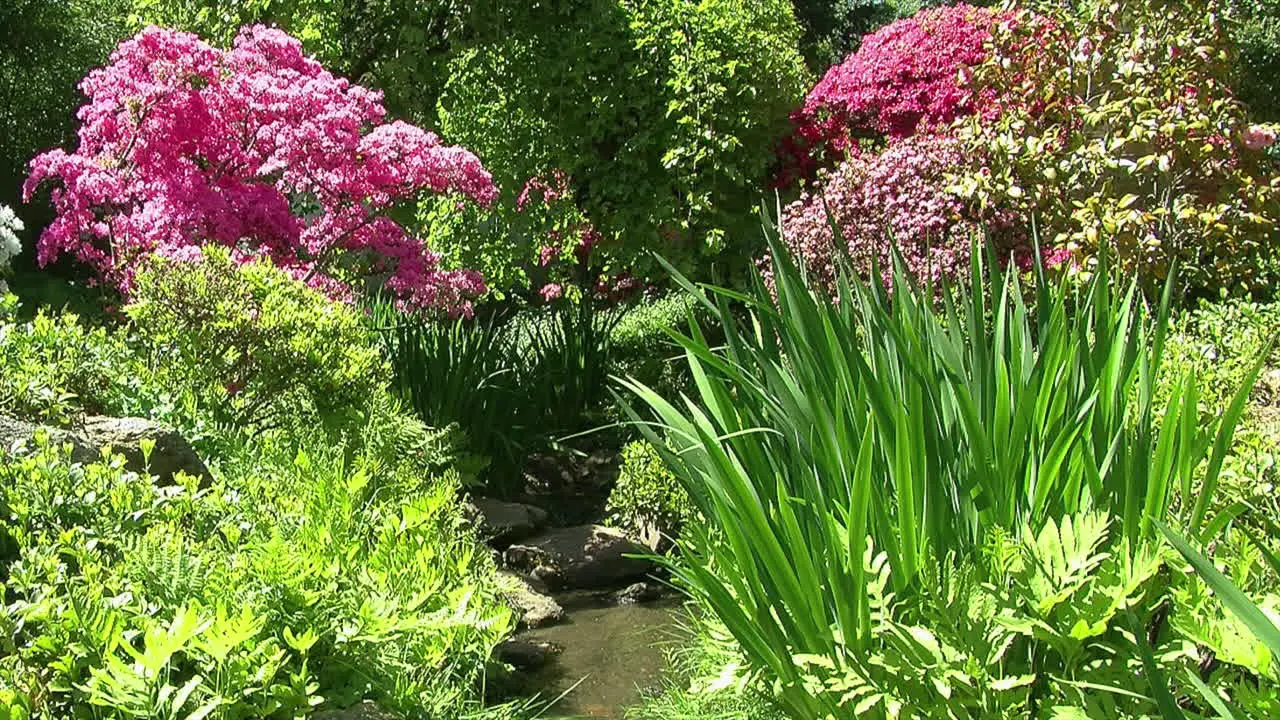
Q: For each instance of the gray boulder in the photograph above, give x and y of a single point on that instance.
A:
(171, 454)
(584, 557)
(17, 435)
(502, 523)
(536, 609)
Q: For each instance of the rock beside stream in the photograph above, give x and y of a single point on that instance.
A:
(502, 523)
(536, 609)
(585, 557)
(170, 455)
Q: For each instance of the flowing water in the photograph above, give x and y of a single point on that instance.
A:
(611, 654)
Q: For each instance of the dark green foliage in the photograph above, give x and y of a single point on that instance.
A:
(46, 47)
(1256, 30)
(512, 385)
(834, 28)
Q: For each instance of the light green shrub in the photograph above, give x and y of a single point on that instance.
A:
(256, 346)
(57, 368)
(665, 139)
(309, 582)
(647, 499)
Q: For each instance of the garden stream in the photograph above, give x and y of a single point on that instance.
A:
(609, 655)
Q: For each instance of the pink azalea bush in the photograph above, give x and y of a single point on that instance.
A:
(257, 148)
(898, 197)
(912, 74)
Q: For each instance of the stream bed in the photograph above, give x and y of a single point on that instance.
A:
(609, 655)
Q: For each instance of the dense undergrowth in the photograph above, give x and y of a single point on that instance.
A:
(988, 428)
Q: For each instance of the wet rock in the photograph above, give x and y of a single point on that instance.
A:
(367, 710)
(526, 654)
(502, 523)
(171, 454)
(583, 557)
(641, 592)
(536, 609)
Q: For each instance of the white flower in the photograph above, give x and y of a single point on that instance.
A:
(10, 225)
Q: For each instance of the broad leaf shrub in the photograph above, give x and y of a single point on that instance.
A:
(665, 138)
(307, 583)
(882, 445)
(257, 346)
(647, 500)
(1116, 122)
(258, 148)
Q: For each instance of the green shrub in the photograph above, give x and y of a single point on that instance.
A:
(1118, 125)
(824, 429)
(665, 139)
(647, 500)
(57, 368)
(256, 346)
(309, 583)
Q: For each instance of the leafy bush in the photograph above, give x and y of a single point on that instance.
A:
(252, 342)
(668, 151)
(310, 583)
(647, 500)
(57, 368)
(815, 428)
(902, 190)
(258, 148)
(1116, 123)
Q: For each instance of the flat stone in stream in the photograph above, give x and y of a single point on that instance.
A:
(580, 558)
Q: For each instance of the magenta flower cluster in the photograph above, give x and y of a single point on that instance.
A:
(881, 200)
(910, 75)
(257, 148)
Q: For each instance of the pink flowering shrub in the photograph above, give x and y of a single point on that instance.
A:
(898, 197)
(259, 149)
(912, 74)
